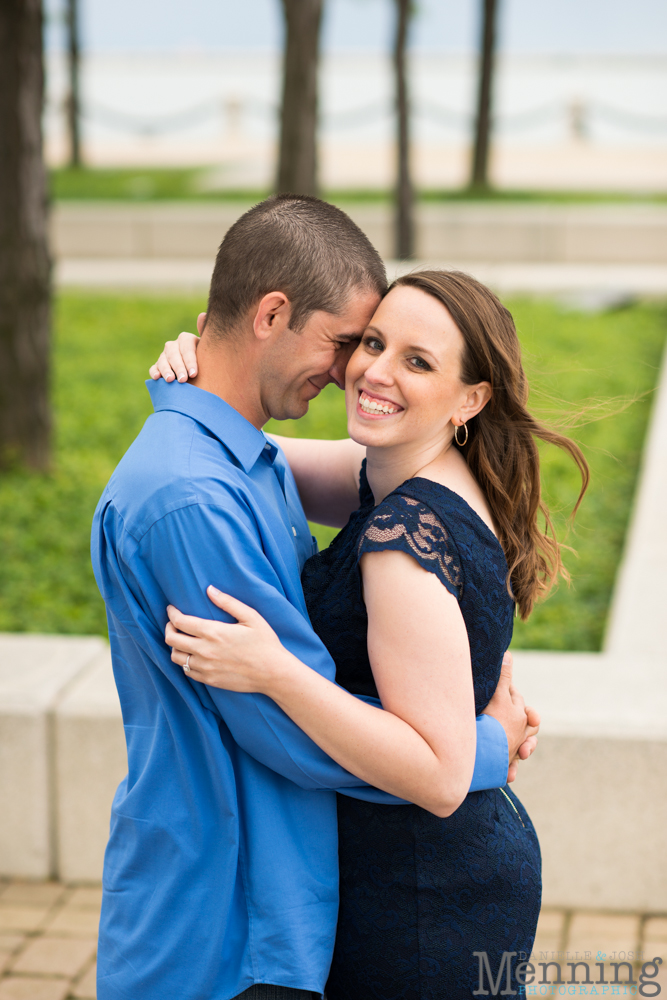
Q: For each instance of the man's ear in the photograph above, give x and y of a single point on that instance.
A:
(272, 315)
(476, 400)
(201, 323)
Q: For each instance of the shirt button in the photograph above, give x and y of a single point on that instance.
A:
(294, 531)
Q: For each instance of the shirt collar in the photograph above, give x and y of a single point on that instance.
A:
(237, 434)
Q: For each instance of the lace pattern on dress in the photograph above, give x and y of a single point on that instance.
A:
(410, 526)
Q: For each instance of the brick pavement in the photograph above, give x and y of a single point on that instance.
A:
(48, 938)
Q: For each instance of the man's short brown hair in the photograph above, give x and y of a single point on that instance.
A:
(301, 246)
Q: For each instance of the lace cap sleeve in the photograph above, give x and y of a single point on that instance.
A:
(404, 524)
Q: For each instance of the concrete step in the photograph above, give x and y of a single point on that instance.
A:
(586, 286)
(568, 234)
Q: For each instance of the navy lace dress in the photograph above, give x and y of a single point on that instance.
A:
(420, 894)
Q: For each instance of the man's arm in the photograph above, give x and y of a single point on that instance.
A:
(192, 547)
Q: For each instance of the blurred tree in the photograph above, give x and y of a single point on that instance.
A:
(404, 194)
(24, 258)
(73, 101)
(479, 178)
(297, 162)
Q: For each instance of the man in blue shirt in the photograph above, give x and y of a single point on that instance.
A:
(221, 868)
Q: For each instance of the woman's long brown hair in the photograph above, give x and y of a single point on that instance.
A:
(501, 449)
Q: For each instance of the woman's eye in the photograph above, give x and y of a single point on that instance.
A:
(374, 344)
(421, 364)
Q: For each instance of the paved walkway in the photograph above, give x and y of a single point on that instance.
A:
(48, 939)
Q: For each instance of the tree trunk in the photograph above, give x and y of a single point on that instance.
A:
(73, 102)
(479, 179)
(404, 195)
(24, 257)
(297, 164)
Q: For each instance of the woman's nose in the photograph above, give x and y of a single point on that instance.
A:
(380, 371)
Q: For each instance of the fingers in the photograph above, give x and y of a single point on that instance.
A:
(187, 343)
(511, 774)
(192, 626)
(533, 717)
(517, 698)
(237, 609)
(162, 369)
(174, 358)
(506, 670)
(194, 671)
(528, 747)
(181, 643)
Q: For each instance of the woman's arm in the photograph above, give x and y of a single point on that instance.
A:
(326, 472)
(327, 476)
(422, 747)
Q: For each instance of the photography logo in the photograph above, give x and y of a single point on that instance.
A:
(547, 979)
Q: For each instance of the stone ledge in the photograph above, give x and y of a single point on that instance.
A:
(592, 285)
(596, 790)
(91, 760)
(502, 233)
(35, 672)
(587, 695)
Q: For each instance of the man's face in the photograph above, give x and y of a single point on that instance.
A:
(297, 366)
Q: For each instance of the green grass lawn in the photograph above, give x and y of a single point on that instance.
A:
(104, 345)
(192, 183)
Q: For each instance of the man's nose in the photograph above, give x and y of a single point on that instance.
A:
(339, 367)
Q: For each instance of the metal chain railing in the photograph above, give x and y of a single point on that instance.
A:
(581, 118)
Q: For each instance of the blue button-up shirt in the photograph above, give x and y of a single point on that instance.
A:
(221, 869)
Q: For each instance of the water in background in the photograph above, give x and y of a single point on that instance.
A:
(561, 121)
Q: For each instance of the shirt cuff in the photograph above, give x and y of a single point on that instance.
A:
(492, 756)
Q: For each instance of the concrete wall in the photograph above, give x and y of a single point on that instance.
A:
(596, 790)
(537, 233)
(36, 673)
(90, 762)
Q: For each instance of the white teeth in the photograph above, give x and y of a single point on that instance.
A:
(369, 405)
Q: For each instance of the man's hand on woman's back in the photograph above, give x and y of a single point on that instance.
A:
(521, 724)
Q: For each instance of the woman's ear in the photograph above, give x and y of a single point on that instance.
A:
(476, 399)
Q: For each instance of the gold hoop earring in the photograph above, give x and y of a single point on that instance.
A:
(456, 435)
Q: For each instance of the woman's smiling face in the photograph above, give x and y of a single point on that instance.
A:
(403, 382)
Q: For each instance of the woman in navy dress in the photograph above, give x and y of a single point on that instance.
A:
(415, 600)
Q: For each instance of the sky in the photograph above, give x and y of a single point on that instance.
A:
(526, 26)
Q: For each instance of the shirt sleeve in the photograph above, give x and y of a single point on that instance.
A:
(203, 544)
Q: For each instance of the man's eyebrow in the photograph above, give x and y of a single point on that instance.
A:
(348, 336)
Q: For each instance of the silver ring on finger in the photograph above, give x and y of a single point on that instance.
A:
(186, 666)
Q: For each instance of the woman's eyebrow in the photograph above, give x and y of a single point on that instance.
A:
(421, 350)
(412, 347)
